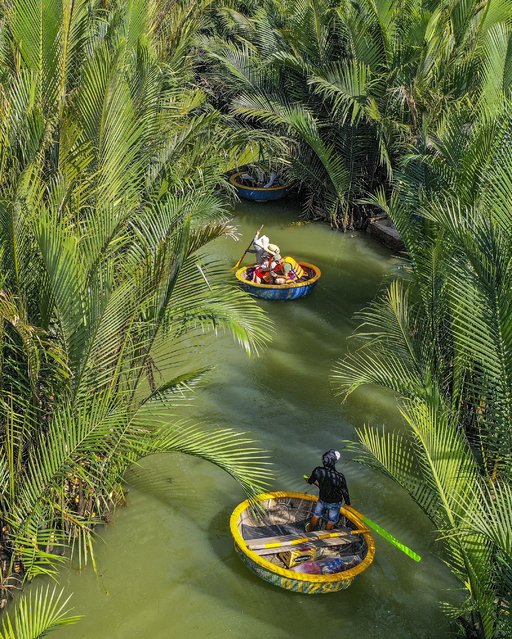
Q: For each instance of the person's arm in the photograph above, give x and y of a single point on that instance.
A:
(255, 247)
(313, 478)
(344, 491)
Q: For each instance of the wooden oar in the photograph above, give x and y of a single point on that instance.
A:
(237, 265)
(383, 533)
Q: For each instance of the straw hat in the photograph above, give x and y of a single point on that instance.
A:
(264, 243)
(273, 249)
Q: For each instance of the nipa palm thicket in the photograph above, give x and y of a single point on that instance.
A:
(110, 164)
(442, 340)
(402, 107)
(351, 85)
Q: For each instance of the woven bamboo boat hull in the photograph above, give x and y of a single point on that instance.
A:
(258, 194)
(288, 579)
(305, 587)
(283, 292)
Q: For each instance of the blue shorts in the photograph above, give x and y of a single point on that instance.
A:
(332, 510)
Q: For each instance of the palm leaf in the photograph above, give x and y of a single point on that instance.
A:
(36, 614)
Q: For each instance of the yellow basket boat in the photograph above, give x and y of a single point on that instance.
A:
(269, 537)
(281, 292)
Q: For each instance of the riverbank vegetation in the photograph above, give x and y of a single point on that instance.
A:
(355, 86)
(118, 121)
(443, 342)
(107, 202)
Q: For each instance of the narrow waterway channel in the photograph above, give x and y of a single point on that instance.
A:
(166, 566)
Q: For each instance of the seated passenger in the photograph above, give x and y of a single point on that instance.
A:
(263, 273)
(287, 270)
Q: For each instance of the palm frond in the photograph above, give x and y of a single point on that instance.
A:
(36, 614)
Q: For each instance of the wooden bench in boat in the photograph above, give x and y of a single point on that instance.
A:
(270, 545)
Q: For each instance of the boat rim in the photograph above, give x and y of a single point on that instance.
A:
(353, 515)
(233, 181)
(281, 287)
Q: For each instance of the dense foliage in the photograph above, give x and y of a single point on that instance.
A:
(443, 342)
(351, 86)
(118, 121)
(107, 198)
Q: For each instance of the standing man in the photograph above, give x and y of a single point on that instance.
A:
(263, 248)
(333, 491)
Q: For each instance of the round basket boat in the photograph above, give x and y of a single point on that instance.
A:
(288, 291)
(270, 539)
(258, 194)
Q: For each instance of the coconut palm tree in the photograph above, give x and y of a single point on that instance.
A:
(110, 188)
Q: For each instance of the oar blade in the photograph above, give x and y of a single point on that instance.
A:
(390, 538)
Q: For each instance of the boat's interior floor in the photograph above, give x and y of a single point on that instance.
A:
(289, 517)
(273, 530)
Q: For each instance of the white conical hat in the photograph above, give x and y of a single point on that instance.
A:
(262, 242)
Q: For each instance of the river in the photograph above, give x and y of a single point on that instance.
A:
(166, 565)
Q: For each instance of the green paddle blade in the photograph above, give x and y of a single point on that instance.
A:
(389, 537)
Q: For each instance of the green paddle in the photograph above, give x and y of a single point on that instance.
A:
(388, 537)
(384, 533)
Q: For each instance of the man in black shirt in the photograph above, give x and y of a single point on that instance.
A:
(333, 491)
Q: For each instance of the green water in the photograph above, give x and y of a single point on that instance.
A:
(166, 565)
